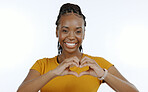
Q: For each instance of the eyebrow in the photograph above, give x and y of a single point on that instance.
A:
(68, 27)
(65, 27)
(78, 27)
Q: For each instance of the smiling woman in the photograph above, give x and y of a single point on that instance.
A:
(72, 70)
(70, 32)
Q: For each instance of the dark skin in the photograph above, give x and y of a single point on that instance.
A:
(70, 24)
(71, 30)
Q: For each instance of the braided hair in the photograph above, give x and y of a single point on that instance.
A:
(69, 8)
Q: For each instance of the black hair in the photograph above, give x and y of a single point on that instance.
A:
(69, 8)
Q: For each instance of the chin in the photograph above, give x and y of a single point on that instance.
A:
(70, 51)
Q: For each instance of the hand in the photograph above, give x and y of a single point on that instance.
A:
(63, 68)
(94, 69)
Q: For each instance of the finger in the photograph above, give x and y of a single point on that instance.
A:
(65, 65)
(88, 64)
(94, 70)
(84, 73)
(62, 67)
(67, 71)
(76, 60)
(72, 73)
(82, 60)
(70, 63)
(72, 59)
(86, 60)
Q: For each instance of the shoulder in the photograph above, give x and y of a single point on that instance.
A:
(45, 60)
(44, 64)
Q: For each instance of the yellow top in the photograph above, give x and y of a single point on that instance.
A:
(70, 83)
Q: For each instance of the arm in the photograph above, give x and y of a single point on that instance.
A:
(34, 81)
(113, 78)
(117, 82)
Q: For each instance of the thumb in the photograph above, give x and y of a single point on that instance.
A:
(72, 73)
(84, 73)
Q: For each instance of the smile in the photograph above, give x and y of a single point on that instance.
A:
(70, 45)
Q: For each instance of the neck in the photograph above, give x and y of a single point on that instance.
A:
(65, 55)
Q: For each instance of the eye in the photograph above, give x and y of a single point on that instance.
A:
(65, 31)
(78, 31)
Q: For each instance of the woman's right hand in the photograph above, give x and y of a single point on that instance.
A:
(63, 68)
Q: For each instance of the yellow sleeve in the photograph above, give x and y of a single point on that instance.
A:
(37, 66)
(103, 63)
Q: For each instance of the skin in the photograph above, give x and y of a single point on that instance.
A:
(68, 30)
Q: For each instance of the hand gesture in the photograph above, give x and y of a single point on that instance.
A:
(63, 68)
(94, 69)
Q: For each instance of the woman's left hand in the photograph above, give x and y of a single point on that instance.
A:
(94, 69)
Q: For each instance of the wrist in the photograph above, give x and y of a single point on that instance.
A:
(104, 74)
(54, 73)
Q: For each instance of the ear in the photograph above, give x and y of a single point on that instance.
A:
(57, 32)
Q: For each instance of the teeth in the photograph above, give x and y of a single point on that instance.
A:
(71, 44)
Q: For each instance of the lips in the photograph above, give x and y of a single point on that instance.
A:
(70, 44)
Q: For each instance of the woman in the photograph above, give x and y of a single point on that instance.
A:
(71, 70)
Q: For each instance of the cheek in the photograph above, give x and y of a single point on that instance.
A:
(80, 38)
(62, 37)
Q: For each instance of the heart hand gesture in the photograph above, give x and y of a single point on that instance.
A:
(63, 68)
(94, 69)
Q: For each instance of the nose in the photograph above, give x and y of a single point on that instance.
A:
(71, 35)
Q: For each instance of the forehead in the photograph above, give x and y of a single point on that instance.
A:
(71, 20)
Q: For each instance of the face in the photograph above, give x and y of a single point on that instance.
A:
(70, 32)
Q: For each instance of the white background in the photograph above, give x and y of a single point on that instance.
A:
(116, 30)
